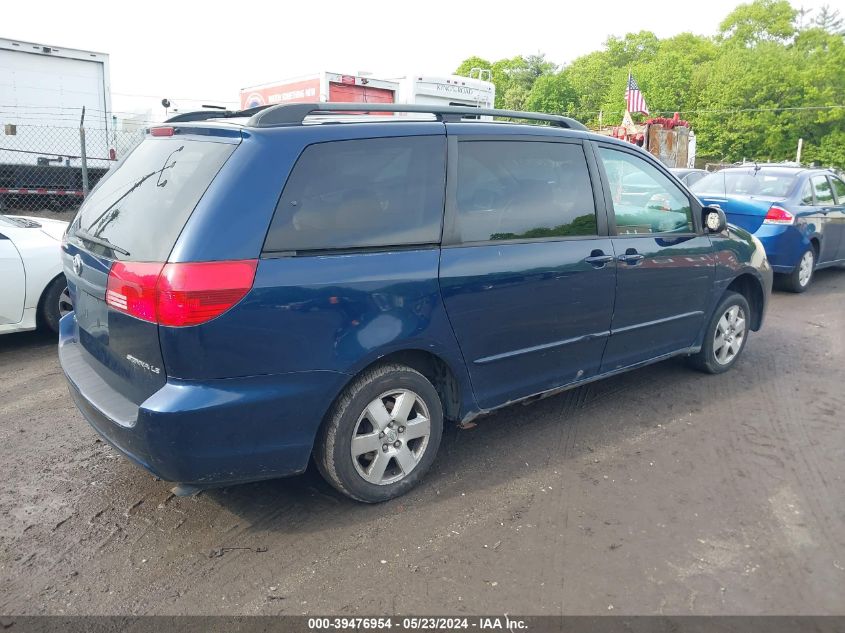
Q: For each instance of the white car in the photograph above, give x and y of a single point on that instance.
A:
(33, 291)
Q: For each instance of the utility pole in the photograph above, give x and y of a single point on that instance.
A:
(83, 154)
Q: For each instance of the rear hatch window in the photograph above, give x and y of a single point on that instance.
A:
(135, 215)
(746, 183)
(137, 212)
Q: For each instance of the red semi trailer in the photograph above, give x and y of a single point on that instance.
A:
(321, 87)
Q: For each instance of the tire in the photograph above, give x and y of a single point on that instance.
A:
(801, 278)
(380, 474)
(714, 358)
(49, 310)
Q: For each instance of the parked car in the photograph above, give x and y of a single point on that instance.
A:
(798, 214)
(688, 176)
(252, 292)
(34, 291)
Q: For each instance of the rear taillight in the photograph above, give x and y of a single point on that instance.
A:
(131, 288)
(189, 294)
(178, 294)
(778, 215)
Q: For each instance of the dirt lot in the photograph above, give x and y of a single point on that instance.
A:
(660, 491)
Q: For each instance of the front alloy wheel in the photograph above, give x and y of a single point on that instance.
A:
(730, 335)
(725, 336)
(65, 304)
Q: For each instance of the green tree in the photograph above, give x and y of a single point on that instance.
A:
(759, 21)
(770, 76)
(472, 62)
(553, 94)
(512, 77)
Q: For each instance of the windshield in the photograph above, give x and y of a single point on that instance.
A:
(748, 182)
(137, 212)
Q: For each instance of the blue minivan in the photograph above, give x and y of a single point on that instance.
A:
(307, 281)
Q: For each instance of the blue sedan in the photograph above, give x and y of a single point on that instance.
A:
(798, 214)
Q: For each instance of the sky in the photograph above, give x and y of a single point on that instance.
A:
(205, 52)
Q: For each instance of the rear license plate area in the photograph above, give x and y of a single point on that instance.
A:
(92, 316)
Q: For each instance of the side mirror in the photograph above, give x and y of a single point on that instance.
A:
(715, 220)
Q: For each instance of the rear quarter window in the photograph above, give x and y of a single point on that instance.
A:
(365, 193)
(838, 189)
(143, 205)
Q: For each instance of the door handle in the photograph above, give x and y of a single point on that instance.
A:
(632, 259)
(598, 259)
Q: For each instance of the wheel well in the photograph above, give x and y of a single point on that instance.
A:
(816, 246)
(748, 286)
(436, 370)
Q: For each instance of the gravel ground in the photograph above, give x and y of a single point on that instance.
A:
(662, 491)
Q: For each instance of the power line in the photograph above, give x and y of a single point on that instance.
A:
(714, 110)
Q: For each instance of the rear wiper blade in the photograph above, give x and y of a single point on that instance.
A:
(85, 235)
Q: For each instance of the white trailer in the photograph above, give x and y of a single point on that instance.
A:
(445, 90)
(43, 90)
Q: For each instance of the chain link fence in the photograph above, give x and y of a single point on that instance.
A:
(52, 167)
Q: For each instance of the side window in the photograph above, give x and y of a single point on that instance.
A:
(644, 200)
(362, 193)
(821, 187)
(838, 189)
(509, 190)
(807, 194)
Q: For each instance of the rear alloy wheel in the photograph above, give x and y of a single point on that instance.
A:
(391, 437)
(800, 278)
(726, 335)
(382, 434)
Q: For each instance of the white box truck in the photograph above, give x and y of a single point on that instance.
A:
(43, 90)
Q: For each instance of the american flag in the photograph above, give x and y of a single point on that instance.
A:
(634, 98)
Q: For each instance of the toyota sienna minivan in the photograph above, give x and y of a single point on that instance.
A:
(305, 280)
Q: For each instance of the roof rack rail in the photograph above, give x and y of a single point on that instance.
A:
(295, 113)
(205, 115)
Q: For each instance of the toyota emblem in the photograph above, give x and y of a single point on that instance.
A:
(77, 265)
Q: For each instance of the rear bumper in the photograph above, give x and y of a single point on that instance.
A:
(784, 245)
(206, 432)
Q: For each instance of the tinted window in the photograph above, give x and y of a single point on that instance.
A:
(821, 187)
(362, 193)
(644, 199)
(839, 190)
(760, 182)
(508, 190)
(142, 206)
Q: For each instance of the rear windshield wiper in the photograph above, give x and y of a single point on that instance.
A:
(102, 241)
